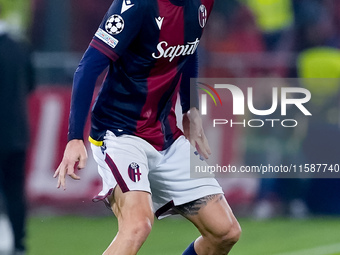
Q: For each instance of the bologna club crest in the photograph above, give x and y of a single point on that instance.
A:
(202, 15)
(134, 172)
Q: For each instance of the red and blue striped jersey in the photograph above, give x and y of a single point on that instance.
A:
(150, 47)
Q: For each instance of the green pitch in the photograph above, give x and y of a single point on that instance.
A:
(90, 236)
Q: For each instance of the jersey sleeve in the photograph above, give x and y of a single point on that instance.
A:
(90, 67)
(120, 26)
(188, 91)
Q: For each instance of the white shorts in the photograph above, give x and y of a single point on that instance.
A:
(134, 164)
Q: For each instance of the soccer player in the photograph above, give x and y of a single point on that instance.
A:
(143, 157)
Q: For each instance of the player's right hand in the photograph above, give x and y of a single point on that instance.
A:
(75, 151)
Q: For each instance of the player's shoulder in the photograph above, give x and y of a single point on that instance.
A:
(134, 7)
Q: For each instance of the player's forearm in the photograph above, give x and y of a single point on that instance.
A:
(85, 77)
(188, 91)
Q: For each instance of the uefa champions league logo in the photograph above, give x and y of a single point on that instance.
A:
(114, 24)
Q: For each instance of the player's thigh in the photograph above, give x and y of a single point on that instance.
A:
(212, 216)
(132, 208)
(171, 180)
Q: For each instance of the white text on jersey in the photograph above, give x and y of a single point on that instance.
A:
(175, 51)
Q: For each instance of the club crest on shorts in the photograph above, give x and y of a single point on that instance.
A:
(202, 15)
(134, 172)
(114, 24)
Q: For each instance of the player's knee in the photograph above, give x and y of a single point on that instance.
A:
(141, 229)
(231, 235)
(227, 236)
(234, 233)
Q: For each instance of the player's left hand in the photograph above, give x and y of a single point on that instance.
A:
(193, 131)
